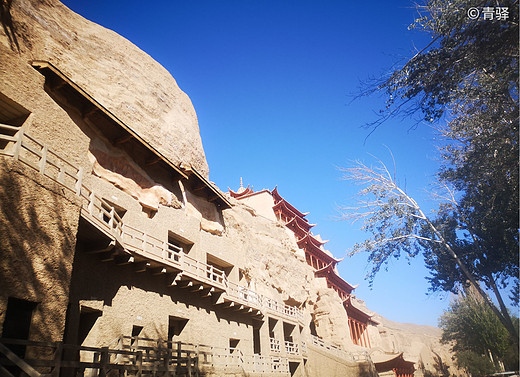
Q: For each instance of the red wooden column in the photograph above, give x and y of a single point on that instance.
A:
(365, 336)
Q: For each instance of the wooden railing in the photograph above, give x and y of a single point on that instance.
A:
(292, 348)
(283, 309)
(144, 244)
(274, 345)
(205, 356)
(16, 143)
(339, 352)
(244, 295)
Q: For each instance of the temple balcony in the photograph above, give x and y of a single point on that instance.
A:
(360, 356)
(136, 356)
(124, 244)
(283, 310)
(274, 345)
(292, 348)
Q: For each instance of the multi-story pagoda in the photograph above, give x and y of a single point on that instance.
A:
(270, 204)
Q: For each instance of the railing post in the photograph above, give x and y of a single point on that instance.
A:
(211, 272)
(43, 160)
(196, 364)
(144, 241)
(111, 220)
(57, 359)
(189, 364)
(91, 199)
(79, 181)
(61, 174)
(139, 362)
(167, 359)
(18, 144)
(179, 355)
(103, 362)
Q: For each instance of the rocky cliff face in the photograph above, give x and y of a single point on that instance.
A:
(274, 267)
(112, 70)
(420, 344)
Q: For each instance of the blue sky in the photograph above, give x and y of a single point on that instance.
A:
(272, 83)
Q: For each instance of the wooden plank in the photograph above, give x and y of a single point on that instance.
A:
(26, 368)
(8, 138)
(5, 372)
(57, 360)
(18, 144)
(9, 127)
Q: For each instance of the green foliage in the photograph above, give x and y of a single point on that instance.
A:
(474, 327)
(477, 365)
(475, 331)
(464, 84)
(467, 81)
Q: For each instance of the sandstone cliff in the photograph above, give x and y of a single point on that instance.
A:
(112, 70)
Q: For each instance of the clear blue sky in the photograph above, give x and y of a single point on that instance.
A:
(272, 83)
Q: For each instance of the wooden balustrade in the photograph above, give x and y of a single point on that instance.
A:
(352, 356)
(292, 348)
(274, 345)
(96, 210)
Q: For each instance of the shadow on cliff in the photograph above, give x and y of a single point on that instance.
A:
(441, 369)
(7, 23)
(37, 238)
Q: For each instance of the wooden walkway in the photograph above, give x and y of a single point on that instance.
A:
(133, 356)
(161, 256)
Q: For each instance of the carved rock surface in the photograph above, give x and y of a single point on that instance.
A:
(119, 75)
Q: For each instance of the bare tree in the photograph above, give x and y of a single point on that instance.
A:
(400, 227)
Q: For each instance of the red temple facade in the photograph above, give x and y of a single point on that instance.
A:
(317, 257)
(395, 363)
(358, 324)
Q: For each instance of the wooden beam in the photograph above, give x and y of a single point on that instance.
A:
(109, 247)
(158, 270)
(141, 266)
(199, 188)
(124, 139)
(197, 288)
(173, 278)
(212, 198)
(107, 256)
(123, 259)
(153, 161)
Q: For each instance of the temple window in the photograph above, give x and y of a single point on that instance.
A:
(177, 243)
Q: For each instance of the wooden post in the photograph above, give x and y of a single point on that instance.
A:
(57, 359)
(61, 174)
(179, 355)
(18, 144)
(79, 181)
(167, 361)
(91, 199)
(188, 363)
(196, 360)
(111, 220)
(43, 160)
(139, 362)
(103, 362)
